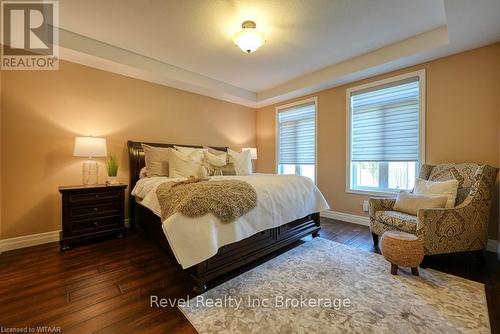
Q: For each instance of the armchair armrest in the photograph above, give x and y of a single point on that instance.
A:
(458, 229)
(380, 204)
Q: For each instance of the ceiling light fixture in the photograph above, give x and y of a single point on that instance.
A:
(249, 39)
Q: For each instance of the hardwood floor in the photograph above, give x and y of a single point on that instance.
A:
(105, 287)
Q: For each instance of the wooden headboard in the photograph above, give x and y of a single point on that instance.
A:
(136, 157)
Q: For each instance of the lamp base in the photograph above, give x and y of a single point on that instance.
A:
(89, 172)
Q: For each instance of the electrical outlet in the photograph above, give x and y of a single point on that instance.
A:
(366, 206)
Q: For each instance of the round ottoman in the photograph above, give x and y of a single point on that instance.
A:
(402, 249)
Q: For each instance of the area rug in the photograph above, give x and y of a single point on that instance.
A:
(326, 287)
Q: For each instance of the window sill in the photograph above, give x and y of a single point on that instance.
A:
(391, 194)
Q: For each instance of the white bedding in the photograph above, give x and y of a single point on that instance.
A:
(280, 199)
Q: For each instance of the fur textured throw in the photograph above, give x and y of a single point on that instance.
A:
(226, 199)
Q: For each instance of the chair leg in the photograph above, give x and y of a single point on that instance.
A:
(480, 256)
(375, 239)
(394, 269)
(425, 261)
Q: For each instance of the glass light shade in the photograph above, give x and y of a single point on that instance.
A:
(90, 147)
(249, 40)
(253, 152)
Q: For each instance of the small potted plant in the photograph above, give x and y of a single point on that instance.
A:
(112, 166)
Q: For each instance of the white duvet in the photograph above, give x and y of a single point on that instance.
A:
(280, 199)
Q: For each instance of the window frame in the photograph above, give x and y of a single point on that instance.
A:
(421, 134)
(313, 99)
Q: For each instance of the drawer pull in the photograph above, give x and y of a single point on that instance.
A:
(96, 196)
(96, 223)
(96, 209)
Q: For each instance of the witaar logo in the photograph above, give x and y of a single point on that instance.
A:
(29, 39)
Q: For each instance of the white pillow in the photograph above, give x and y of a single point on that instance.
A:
(183, 165)
(434, 188)
(410, 203)
(215, 160)
(190, 150)
(213, 151)
(193, 153)
(242, 162)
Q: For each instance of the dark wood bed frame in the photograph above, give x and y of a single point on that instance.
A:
(229, 257)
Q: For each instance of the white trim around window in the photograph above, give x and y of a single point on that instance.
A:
(422, 103)
(313, 99)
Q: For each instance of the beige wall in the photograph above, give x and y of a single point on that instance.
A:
(44, 110)
(1, 162)
(462, 123)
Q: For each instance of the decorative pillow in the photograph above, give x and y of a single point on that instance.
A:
(227, 169)
(435, 188)
(410, 203)
(143, 173)
(242, 162)
(215, 160)
(196, 153)
(183, 165)
(213, 151)
(218, 163)
(156, 159)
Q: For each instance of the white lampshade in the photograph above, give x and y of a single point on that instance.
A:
(90, 147)
(249, 39)
(253, 152)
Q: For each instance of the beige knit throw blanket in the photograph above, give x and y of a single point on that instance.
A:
(227, 199)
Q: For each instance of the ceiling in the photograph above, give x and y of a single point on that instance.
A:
(311, 45)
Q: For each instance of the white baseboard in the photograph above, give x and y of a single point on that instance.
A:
(34, 239)
(346, 217)
(492, 246)
(28, 240)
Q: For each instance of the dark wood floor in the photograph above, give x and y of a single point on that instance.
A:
(104, 287)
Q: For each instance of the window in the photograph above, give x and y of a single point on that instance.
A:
(385, 134)
(296, 138)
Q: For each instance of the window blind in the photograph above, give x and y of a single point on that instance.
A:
(385, 123)
(296, 134)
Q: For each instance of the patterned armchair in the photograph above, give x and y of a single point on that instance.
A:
(458, 229)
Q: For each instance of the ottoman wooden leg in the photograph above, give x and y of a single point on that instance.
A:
(394, 269)
(414, 271)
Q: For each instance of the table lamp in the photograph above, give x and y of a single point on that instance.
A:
(90, 147)
(253, 152)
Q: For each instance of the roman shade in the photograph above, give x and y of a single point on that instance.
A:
(385, 122)
(296, 134)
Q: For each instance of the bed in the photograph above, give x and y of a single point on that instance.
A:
(227, 256)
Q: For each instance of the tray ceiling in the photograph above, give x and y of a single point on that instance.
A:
(310, 44)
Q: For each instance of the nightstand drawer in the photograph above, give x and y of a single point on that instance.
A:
(91, 197)
(96, 210)
(87, 226)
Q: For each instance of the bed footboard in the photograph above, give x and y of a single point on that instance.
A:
(235, 255)
(238, 254)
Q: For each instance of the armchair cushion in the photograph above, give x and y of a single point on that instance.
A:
(447, 189)
(410, 203)
(396, 220)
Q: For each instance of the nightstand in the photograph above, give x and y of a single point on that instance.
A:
(89, 212)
